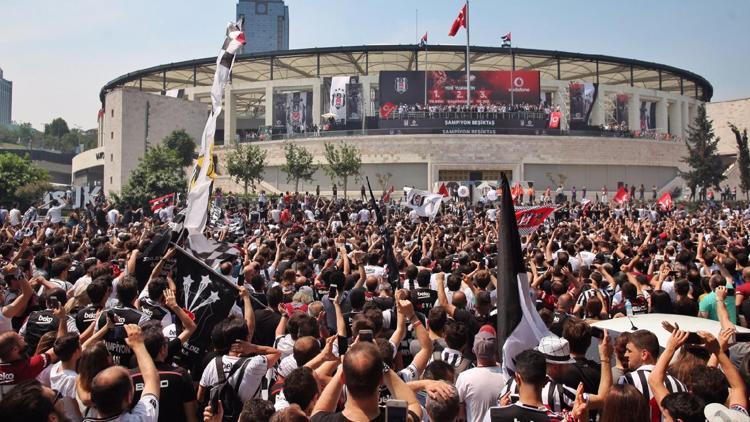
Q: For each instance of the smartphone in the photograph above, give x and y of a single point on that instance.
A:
(597, 332)
(53, 302)
(333, 291)
(365, 335)
(396, 411)
(694, 338)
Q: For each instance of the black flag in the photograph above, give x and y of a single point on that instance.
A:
(390, 259)
(205, 294)
(146, 262)
(519, 326)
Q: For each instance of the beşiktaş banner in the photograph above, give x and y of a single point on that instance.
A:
(648, 115)
(292, 110)
(487, 126)
(449, 88)
(582, 98)
(337, 99)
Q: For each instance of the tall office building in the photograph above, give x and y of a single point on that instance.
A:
(6, 99)
(266, 25)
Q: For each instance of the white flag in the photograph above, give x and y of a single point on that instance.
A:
(426, 204)
(338, 96)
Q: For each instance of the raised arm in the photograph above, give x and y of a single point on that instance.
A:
(188, 325)
(18, 305)
(737, 389)
(442, 298)
(401, 391)
(151, 383)
(656, 379)
(425, 345)
(247, 306)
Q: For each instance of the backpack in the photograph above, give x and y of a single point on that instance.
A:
(226, 392)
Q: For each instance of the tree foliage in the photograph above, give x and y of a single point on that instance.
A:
(246, 163)
(299, 164)
(343, 162)
(57, 128)
(31, 192)
(743, 157)
(15, 173)
(158, 173)
(703, 158)
(183, 144)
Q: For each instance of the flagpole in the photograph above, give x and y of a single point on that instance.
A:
(416, 25)
(468, 72)
(510, 45)
(425, 75)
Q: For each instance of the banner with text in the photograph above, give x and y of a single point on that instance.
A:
(449, 87)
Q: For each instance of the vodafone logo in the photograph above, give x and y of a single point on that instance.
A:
(518, 82)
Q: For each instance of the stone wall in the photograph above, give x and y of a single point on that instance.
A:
(417, 160)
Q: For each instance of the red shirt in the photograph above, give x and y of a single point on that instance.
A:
(13, 373)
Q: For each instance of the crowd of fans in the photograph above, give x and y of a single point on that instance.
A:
(479, 110)
(320, 333)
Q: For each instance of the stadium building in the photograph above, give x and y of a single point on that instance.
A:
(547, 117)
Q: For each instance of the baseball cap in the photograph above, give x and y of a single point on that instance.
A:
(485, 343)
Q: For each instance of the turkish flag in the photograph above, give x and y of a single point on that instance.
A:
(529, 219)
(665, 202)
(443, 190)
(554, 120)
(386, 110)
(622, 196)
(458, 22)
(387, 196)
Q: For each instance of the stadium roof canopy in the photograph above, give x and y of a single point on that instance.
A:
(363, 60)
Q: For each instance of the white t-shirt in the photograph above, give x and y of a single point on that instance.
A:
(54, 214)
(363, 215)
(5, 322)
(112, 217)
(64, 381)
(251, 377)
(480, 388)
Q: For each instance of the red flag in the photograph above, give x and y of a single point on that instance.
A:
(554, 120)
(506, 37)
(423, 40)
(622, 196)
(161, 202)
(458, 22)
(665, 202)
(443, 190)
(529, 219)
(386, 110)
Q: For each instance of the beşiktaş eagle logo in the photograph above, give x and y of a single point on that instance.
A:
(200, 296)
(401, 84)
(338, 98)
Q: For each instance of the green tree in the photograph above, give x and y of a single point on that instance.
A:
(158, 173)
(743, 158)
(299, 164)
(16, 172)
(33, 191)
(57, 128)
(343, 162)
(246, 163)
(183, 144)
(703, 158)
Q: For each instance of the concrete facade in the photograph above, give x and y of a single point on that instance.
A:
(266, 25)
(723, 112)
(135, 120)
(423, 160)
(6, 100)
(673, 113)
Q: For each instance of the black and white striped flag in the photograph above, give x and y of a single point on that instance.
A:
(519, 326)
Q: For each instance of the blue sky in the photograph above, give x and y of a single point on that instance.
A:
(59, 53)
